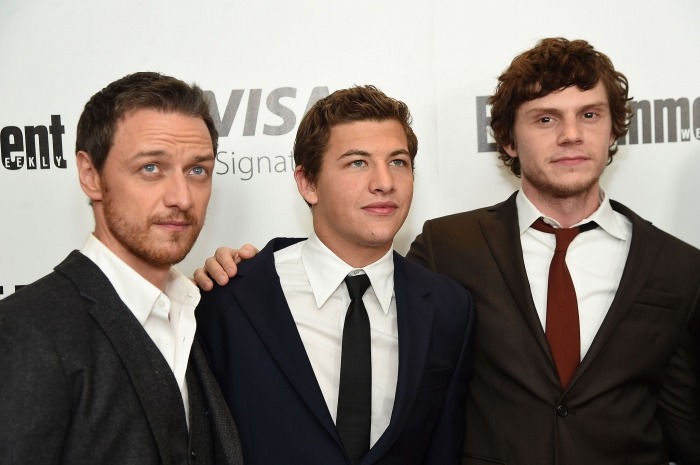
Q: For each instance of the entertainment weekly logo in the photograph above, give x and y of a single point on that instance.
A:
(33, 147)
(666, 115)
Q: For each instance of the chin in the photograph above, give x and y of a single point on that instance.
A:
(379, 241)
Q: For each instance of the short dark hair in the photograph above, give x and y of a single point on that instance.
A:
(555, 64)
(143, 90)
(358, 103)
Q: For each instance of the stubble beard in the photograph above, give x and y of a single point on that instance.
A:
(546, 187)
(138, 239)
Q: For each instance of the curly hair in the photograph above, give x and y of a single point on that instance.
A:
(358, 103)
(555, 64)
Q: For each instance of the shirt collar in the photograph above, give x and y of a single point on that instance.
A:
(137, 293)
(326, 272)
(604, 216)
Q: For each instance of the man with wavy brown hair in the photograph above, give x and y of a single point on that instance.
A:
(616, 380)
(279, 336)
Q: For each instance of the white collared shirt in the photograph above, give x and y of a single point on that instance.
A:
(595, 258)
(312, 280)
(167, 317)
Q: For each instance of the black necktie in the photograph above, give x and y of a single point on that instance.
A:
(355, 391)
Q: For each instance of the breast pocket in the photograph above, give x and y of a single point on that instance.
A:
(660, 299)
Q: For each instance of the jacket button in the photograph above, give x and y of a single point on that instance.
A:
(193, 454)
(562, 410)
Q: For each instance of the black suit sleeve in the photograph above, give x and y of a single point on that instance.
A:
(34, 400)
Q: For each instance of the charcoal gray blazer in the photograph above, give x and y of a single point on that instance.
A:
(81, 382)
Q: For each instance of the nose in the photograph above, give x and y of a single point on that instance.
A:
(177, 192)
(570, 131)
(382, 179)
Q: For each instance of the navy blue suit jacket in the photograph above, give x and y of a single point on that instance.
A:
(259, 360)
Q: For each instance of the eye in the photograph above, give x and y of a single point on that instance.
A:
(358, 163)
(150, 168)
(199, 171)
(589, 115)
(399, 162)
(545, 119)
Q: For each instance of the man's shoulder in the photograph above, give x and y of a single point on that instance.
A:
(470, 217)
(671, 243)
(265, 256)
(54, 287)
(261, 265)
(52, 306)
(420, 277)
(453, 303)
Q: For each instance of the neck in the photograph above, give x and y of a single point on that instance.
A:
(566, 210)
(357, 256)
(156, 275)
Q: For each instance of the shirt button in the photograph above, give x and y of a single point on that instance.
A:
(161, 303)
(562, 410)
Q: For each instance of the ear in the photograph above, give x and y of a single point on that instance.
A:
(90, 180)
(511, 150)
(306, 188)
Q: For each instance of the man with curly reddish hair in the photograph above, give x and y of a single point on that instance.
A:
(600, 366)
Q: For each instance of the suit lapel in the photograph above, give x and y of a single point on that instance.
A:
(227, 445)
(415, 323)
(645, 247)
(261, 298)
(501, 233)
(148, 370)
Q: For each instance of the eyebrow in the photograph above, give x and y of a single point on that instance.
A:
(597, 104)
(162, 153)
(364, 153)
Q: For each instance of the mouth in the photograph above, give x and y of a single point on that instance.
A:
(381, 208)
(173, 225)
(570, 160)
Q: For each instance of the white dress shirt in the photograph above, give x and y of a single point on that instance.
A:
(167, 317)
(595, 259)
(312, 280)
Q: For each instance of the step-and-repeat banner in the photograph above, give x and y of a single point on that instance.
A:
(264, 63)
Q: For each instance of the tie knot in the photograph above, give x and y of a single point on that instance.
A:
(564, 236)
(357, 285)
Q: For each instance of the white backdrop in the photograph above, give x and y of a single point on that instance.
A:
(273, 56)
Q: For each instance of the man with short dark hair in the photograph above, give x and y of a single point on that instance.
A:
(606, 372)
(98, 359)
(314, 373)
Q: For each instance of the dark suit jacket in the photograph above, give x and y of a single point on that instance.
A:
(259, 360)
(637, 383)
(82, 383)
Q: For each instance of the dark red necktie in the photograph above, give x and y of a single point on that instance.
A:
(562, 326)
